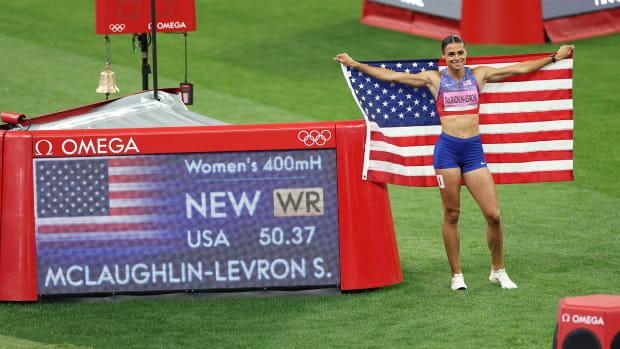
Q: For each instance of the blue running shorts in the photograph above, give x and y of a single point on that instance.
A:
(452, 152)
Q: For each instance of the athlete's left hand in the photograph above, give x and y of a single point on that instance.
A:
(564, 51)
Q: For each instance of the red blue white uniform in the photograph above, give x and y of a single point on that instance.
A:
(458, 97)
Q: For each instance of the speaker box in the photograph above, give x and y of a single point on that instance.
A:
(588, 322)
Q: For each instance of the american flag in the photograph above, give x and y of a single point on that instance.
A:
(106, 206)
(526, 123)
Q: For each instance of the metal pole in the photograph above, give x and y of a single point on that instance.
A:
(154, 42)
(146, 68)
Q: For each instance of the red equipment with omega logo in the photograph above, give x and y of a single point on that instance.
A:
(588, 322)
(134, 16)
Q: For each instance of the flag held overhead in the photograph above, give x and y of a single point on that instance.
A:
(526, 123)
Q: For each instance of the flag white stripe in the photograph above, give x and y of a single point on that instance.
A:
(405, 131)
(139, 202)
(522, 127)
(511, 148)
(123, 170)
(533, 166)
(135, 186)
(527, 147)
(417, 150)
(106, 219)
(526, 107)
(528, 86)
(390, 167)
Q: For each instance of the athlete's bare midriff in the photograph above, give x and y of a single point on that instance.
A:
(460, 126)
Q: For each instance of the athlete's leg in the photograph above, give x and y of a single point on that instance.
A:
(450, 189)
(482, 188)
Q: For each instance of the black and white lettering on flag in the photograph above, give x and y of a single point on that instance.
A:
(526, 123)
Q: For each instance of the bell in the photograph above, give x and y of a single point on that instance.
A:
(107, 83)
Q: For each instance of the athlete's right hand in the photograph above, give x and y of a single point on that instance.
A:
(345, 59)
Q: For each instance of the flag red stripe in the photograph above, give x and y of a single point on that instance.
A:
(404, 141)
(498, 178)
(146, 161)
(139, 178)
(545, 95)
(493, 158)
(524, 137)
(83, 228)
(426, 160)
(533, 177)
(135, 194)
(415, 181)
(98, 243)
(526, 117)
(542, 75)
(138, 210)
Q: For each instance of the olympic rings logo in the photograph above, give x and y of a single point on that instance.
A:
(117, 28)
(314, 137)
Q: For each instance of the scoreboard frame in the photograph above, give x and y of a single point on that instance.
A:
(367, 244)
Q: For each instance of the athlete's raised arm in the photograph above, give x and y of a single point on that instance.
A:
(423, 79)
(489, 74)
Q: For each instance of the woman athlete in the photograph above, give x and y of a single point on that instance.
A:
(458, 151)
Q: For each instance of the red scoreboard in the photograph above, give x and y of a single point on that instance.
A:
(179, 209)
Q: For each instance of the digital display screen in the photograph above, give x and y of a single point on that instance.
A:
(442, 8)
(172, 222)
(550, 8)
(564, 8)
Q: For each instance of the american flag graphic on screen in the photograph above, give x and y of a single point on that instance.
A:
(97, 199)
(526, 123)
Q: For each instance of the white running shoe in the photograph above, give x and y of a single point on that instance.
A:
(458, 283)
(500, 277)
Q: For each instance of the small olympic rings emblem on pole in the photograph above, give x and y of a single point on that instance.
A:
(117, 28)
(314, 137)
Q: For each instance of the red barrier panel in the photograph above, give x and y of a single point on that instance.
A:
(404, 20)
(583, 26)
(2, 132)
(18, 272)
(502, 22)
(368, 251)
(386, 16)
(494, 22)
(589, 322)
(369, 254)
(134, 16)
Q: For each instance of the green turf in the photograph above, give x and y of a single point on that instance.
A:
(271, 61)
